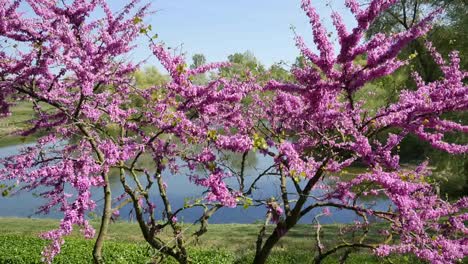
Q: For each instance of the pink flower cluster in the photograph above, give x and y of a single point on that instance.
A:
(218, 191)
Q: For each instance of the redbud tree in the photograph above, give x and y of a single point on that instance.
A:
(318, 129)
(71, 67)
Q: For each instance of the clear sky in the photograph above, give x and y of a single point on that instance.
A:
(218, 28)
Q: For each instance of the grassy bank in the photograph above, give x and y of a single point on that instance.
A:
(20, 117)
(224, 243)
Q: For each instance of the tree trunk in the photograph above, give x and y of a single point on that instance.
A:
(107, 213)
(262, 255)
(282, 228)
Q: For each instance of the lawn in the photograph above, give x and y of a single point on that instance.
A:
(20, 117)
(224, 243)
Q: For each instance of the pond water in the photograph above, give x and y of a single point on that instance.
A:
(24, 204)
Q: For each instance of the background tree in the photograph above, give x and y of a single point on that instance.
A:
(278, 72)
(243, 64)
(197, 61)
(448, 34)
(149, 76)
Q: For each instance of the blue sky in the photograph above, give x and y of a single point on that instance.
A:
(218, 28)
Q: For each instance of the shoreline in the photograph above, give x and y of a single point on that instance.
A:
(11, 141)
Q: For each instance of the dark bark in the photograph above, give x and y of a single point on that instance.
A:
(283, 227)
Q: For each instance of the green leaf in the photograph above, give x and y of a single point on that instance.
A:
(211, 166)
(259, 142)
(137, 20)
(212, 134)
(181, 68)
(293, 173)
(247, 203)
(413, 55)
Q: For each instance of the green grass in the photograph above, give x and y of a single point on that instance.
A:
(19, 119)
(222, 244)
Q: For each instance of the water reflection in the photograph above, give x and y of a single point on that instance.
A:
(180, 188)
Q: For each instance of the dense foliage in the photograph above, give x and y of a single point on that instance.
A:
(447, 35)
(311, 126)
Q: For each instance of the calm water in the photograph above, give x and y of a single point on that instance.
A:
(24, 204)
